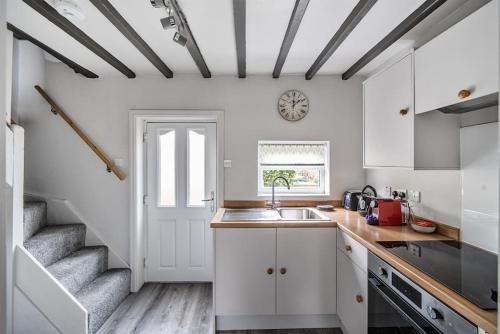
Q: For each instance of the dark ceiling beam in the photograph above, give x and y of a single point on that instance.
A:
(411, 21)
(239, 11)
(21, 35)
(356, 15)
(126, 29)
(46, 10)
(191, 44)
(293, 25)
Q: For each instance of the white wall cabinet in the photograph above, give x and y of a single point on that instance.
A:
(306, 271)
(464, 57)
(388, 116)
(243, 257)
(352, 285)
(303, 277)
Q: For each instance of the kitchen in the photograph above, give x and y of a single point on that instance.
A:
(353, 189)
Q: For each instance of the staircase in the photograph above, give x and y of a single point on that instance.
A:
(83, 271)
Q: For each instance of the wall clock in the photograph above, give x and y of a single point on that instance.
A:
(293, 105)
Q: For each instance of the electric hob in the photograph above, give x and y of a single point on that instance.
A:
(469, 271)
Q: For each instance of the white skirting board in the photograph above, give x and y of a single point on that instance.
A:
(238, 322)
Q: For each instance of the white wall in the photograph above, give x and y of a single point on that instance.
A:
(3, 186)
(59, 164)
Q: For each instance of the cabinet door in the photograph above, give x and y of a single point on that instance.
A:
(388, 135)
(463, 57)
(243, 285)
(352, 292)
(309, 284)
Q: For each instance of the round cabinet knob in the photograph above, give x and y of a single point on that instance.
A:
(283, 271)
(463, 93)
(403, 112)
(382, 271)
(359, 298)
(270, 271)
(434, 314)
(348, 248)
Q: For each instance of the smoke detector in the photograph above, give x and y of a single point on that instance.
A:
(69, 9)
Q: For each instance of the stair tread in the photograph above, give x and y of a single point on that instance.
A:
(103, 295)
(54, 242)
(34, 217)
(80, 267)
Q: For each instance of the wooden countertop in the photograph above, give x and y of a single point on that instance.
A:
(355, 226)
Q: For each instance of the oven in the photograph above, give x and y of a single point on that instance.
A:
(396, 305)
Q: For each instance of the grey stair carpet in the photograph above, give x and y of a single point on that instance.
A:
(54, 242)
(103, 295)
(81, 267)
(83, 271)
(35, 217)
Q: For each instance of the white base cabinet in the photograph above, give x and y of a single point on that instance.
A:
(352, 285)
(352, 296)
(276, 272)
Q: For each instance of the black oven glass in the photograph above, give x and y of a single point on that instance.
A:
(388, 313)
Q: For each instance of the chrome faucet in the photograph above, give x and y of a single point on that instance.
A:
(273, 204)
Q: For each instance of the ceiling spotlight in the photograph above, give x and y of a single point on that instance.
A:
(168, 22)
(159, 3)
(179, 39)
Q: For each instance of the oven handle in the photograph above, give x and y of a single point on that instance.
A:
(378, 286)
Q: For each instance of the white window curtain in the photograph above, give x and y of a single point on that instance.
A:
(292, 154)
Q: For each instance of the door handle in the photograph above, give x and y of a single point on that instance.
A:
(212, 200)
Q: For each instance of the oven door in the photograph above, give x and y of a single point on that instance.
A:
(388, 313)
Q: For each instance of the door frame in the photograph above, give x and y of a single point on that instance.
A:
(138, 119)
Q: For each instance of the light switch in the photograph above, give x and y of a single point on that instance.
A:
(227, 163)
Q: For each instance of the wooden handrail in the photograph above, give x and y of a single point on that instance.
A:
(110, 166)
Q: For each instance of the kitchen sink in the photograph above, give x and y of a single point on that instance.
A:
(300, 214)
(285, 214)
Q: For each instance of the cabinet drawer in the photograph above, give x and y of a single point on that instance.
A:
(356, 252)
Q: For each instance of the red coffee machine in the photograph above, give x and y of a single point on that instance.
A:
(389, 212)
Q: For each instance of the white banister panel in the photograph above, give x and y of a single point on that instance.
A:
(48, 295)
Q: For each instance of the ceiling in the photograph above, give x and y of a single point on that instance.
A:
(212, 25)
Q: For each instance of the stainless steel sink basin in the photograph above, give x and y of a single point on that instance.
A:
(250, 215)
(302, 214)
(288, 214)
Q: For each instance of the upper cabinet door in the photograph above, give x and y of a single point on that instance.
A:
(388, 116)
(306, 271)
(464, 57)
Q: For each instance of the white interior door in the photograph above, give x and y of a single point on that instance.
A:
(181, 165)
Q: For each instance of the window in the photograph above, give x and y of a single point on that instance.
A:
(167, 168)
(305, 164)
(196, 169)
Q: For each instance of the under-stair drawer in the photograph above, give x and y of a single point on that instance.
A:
(352, 249)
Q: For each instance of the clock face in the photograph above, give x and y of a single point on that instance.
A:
(293, 105)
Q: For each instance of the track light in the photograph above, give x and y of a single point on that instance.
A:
(159, 3)
(179, 39)
(168, 22)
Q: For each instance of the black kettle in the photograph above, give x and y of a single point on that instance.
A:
(367, 200)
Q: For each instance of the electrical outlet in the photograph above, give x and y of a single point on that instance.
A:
(414, 196)
(401, 192)
(387, 191)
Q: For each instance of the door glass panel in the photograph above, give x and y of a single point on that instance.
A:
(166, 144)
(196, 167)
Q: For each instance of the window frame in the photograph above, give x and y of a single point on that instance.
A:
(323, 190)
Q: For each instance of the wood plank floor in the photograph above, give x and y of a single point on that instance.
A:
(176, 308)
(173, 308)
